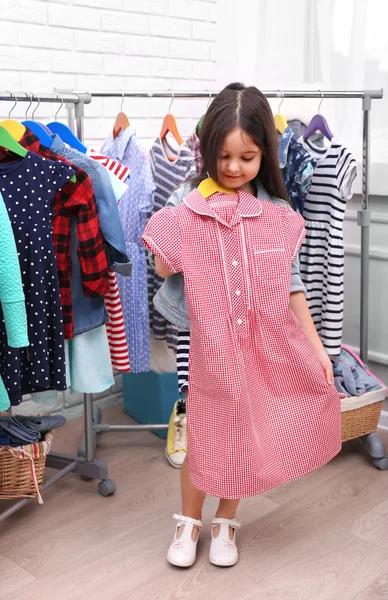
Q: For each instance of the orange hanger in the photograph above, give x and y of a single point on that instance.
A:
(169, 126)
(122, 121)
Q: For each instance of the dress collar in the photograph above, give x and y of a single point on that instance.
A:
(121, 142)
(248, 205)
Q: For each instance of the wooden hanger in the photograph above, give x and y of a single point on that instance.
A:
(15, 128)
(208, 187)
(122, 121)
(169, 126)
(280, 120)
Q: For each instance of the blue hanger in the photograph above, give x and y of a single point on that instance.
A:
(39, 130)
(65, 132)
(67, 136)
(318, 123)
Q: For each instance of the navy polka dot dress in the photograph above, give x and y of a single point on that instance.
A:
(28, 187)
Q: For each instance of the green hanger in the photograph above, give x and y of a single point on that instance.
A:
(200, 122)
(9, 143)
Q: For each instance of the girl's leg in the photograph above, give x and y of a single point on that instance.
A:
(192, 497)
(226, 510)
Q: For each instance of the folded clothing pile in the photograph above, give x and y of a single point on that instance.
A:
(351, 376)
(18, 431)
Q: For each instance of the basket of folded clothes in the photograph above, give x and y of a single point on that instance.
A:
(362, 395)
(25, 443)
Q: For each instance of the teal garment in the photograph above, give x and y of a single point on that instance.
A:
(11, 293)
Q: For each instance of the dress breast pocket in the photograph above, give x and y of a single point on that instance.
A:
(270, 263)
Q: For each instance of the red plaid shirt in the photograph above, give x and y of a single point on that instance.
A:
(74, 199)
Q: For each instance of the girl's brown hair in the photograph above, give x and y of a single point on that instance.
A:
(247, 108)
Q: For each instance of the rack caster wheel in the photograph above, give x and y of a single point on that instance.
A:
(381, 463)
(85, 478)
(106, 487)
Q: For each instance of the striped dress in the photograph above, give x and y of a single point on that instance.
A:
(170, 165)
(322, 253)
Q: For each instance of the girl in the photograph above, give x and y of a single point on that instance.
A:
(262, 408)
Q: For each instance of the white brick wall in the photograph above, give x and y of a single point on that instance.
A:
(108, 45)
(120, 44)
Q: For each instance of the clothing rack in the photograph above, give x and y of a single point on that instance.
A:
(372, 442)
(85, 464)
(62, 463)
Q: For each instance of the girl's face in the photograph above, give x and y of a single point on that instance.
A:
(240, 159)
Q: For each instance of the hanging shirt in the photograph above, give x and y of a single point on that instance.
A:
(90, 312)
(134, 206)
(322, 253)
(28, 187)
(297, 167)
(74, 200)
(12, 301)
(171, 165)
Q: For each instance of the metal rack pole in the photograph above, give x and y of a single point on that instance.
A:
(364, 221)
(44, 97)
(373, 94)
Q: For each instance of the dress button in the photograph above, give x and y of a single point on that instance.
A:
(239, 321)
(237, 292)
(235, 263)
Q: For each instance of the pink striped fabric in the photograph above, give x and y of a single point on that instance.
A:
(115, 328)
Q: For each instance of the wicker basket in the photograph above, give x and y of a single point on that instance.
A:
(22, 468)
(360, 421)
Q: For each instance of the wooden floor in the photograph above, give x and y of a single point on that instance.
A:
(323, 537)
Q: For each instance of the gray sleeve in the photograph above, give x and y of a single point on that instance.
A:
(296, 282)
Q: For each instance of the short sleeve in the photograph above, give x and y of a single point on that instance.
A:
(294, 230)
(296, 284)
(59, 174)
(162, 237)
(347, 180)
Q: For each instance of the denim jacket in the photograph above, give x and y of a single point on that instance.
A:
(170, 300)
(89, 313)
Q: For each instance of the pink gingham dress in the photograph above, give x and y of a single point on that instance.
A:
(260, 411)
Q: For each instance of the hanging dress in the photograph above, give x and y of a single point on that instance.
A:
(260, 410)
(134, 206)
(28, 187)
(171, 165)
(322, 253)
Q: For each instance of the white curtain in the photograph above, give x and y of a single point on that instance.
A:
(329, 44)
(352, 53)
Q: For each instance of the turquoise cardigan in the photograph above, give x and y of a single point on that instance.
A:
(11, 293)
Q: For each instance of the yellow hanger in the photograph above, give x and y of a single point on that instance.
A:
(208, 187)
(16, 129)
(280, 120)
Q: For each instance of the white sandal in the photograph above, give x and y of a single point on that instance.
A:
(223, 550)
(183, 550)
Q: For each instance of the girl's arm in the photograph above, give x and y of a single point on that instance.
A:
(300, 309)
(161, 268)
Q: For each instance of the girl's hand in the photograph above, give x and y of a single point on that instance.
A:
(327, 366)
